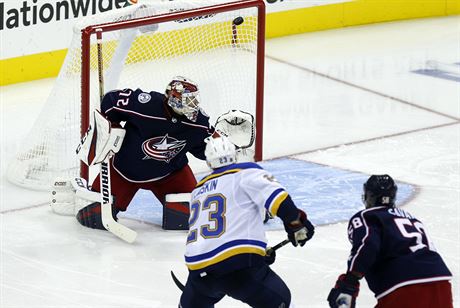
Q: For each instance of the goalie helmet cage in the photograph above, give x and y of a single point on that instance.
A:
(218, 45)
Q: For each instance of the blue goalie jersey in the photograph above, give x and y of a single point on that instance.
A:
(157, 139)
(392, 249)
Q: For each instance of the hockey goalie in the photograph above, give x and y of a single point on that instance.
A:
(143, 137)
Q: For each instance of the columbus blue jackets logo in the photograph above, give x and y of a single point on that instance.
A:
(163, 148)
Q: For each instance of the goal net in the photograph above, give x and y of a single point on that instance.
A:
(218, 45)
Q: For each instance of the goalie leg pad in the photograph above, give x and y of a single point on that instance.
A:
(63, 198)
(90, 216)
(69, 196)
(176, 212)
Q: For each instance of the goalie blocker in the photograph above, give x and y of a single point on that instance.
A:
(100, 141)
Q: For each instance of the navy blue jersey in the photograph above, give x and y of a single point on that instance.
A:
(157, 139)
(391, 249)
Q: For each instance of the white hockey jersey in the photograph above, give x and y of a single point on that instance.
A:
(227, 210)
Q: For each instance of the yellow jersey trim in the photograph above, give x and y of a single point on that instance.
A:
(226, 255)
(277, 202)
(216, 175)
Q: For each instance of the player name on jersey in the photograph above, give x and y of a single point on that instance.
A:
(206, 187)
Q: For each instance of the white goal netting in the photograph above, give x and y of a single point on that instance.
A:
(211, 49)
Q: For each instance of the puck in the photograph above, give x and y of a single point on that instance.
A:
(238, 21)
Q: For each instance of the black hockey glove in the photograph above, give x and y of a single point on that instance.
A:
(270, 257)
(345, 292)
(90, 216)
(300, 231)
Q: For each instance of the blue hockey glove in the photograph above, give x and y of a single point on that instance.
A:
(345, 292)
(90, 216)
(301, 230)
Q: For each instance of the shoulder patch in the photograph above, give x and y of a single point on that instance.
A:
(144, 98)
(270, 178)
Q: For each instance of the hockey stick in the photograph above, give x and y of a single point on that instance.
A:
(269, 251)
(108, 222)
(177, 282)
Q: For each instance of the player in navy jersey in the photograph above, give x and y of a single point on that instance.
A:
(226, 242)
(160, 128)
(391, 249)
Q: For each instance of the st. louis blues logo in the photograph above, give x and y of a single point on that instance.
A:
(162, 148)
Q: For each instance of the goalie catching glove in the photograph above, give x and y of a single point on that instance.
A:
(239, 127)
(100, 141)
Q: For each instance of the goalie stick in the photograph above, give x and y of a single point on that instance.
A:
(179, 284)
(269, 251)
(108, 222)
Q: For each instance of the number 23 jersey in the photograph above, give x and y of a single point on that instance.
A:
(391, 248)
(226, 230)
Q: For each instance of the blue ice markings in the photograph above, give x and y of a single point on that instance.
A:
(327, 194)
(441, 70)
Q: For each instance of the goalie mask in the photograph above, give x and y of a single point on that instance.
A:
(379, 190)
(182, 96)
(219, 152)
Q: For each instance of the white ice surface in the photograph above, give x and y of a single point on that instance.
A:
(50, 261)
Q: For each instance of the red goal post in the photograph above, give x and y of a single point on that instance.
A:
(181, 15)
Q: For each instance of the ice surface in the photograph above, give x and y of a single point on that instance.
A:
(345, 99)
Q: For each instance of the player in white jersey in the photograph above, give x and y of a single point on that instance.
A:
(226, 242)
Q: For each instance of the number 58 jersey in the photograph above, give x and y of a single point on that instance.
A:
(392, 249)
(227, 209)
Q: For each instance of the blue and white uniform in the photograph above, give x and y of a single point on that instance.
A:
(226, 241)
(226, 222)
